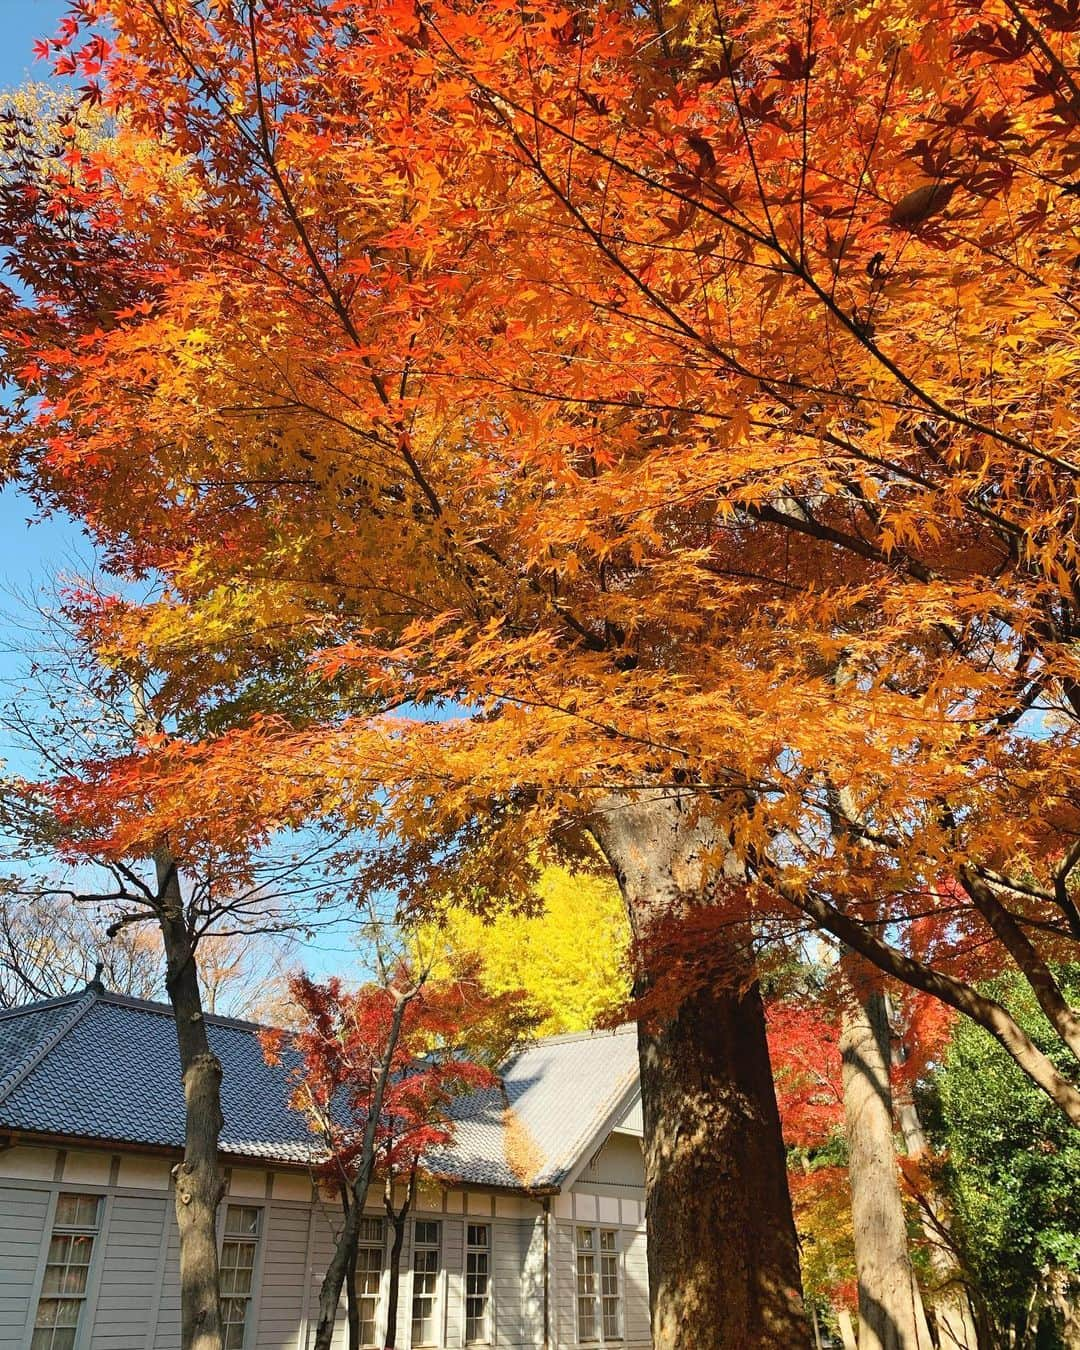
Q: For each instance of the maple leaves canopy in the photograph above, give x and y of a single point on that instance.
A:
(345, 1043)
(686, 402)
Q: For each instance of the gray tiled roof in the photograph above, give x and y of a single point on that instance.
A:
(103, 1066)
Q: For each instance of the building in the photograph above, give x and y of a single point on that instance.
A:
(533, 1235)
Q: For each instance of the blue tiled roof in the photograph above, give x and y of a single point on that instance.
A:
(100, 1066)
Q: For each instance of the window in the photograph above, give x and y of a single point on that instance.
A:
(67, 1271)
(369, 1263)
(609, 1284)
(426, 1233)
(477, 1283)
(238, 1271)
(586, 1284)
(599, 1297)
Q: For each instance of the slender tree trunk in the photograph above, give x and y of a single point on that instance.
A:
(847, 1329)
(398, 1219)
(345, 1248)
(199, 1181)
(953, 1316)
(722, 1252)
(891, 1315)
(352, 1302)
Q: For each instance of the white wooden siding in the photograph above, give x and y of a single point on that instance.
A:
(128, 1272)
(23, 1215)
(134, 1295)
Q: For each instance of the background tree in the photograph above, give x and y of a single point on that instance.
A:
(377, 1072)
(805, 1052)
(1009, 1167)
(49, 949)
(567, 955)
(216, 899)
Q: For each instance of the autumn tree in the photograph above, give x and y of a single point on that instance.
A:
(804, 1048)
(566, 954)
(664, 391)
(201, 920)
(666, 849)
(376, 1076)
(891, 1312)
(832, 1050)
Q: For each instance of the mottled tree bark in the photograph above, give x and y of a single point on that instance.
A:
(953, 1317)
(722, 1250)
(891, 1315)
(199, 1181)
(352, 1303)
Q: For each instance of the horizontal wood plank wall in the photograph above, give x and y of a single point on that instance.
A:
(283, 1273)
(23, 1215)
(129, 1270)
(135, 1290)
(167, 1331)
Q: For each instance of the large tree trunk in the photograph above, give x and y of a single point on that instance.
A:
(891, 1315)
(199, 1181)
(722, 1250)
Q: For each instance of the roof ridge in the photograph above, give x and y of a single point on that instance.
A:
(166, 1010)
(79, 1006)
(565, 1037)
(41, 1004)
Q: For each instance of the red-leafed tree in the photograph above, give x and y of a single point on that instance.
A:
(375, 1071)
(806, 1065)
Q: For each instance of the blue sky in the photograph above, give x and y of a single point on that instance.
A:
(33, 552)
(30, 553)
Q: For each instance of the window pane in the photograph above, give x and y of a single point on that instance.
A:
(585, 1239)
(82, 1245)
(242, 1221)
(237, 1269)
(586, 1319)
(426, 1235)
(607, 1240)
(478, 1235)
(371, 1229)
(234, 1337)
(77, 1211)
(67, 1271)
(67, 1312)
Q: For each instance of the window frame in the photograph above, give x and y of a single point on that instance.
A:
(255, 1242)
(598, 1253)
(478, 1249)
(434, 1295)
(377, 1245)
(88, 1294)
